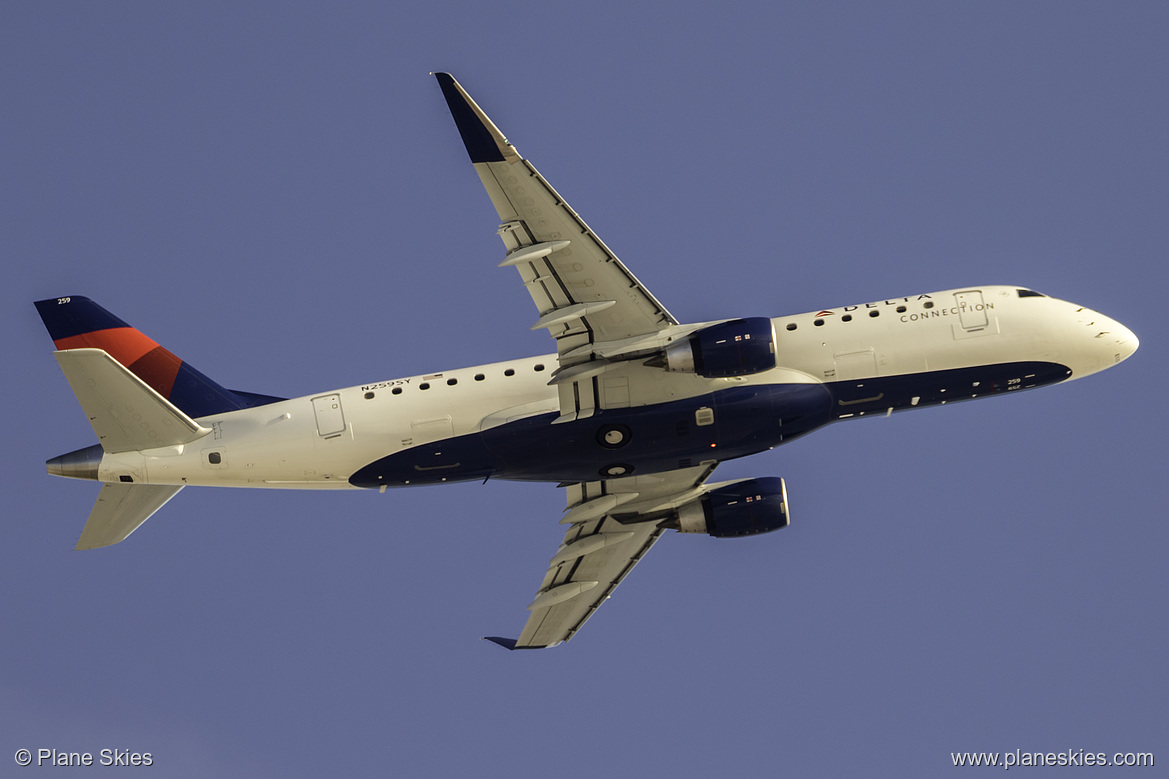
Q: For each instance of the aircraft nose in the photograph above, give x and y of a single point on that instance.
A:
(1110, 342)
(1096, 342)
(1121, 341)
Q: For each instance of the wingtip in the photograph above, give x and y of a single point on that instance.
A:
(484, 141)
(511, 643)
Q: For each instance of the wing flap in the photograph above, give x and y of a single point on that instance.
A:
(586, 582)
(612, 525)
(585, 271)
(561, 261)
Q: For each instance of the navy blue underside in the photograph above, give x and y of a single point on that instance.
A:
(933, 388)
(666, 436)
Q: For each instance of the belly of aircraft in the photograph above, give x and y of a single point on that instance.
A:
(711, 427)
(611, 443)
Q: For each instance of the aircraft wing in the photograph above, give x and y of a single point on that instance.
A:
(583, 293)
(612, 524)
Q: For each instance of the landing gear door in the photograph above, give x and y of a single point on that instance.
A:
(330, 417)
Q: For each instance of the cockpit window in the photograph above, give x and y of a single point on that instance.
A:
(1027, 293)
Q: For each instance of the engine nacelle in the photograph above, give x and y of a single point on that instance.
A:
(736, 348)
(744, 508)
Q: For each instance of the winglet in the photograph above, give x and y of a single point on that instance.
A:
(484, 141)
(511, 643)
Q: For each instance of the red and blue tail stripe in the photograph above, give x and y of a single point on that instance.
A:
(79, 323)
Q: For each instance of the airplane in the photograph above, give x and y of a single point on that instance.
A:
(630, 416)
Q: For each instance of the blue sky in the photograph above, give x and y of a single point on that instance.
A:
(276, 193)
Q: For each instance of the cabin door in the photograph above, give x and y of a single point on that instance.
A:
(330, 417)
(971, 310)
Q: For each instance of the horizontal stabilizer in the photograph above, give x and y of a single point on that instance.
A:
(120, 510)
(125, 412)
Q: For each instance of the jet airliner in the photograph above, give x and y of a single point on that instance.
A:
(630, 416)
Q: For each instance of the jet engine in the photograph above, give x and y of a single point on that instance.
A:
(736, 348)
(741, 508)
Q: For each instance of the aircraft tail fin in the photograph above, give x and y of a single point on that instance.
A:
(78, 323)
(125, 412)
(120, 510)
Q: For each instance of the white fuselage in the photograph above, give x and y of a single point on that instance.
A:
(889, 355)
